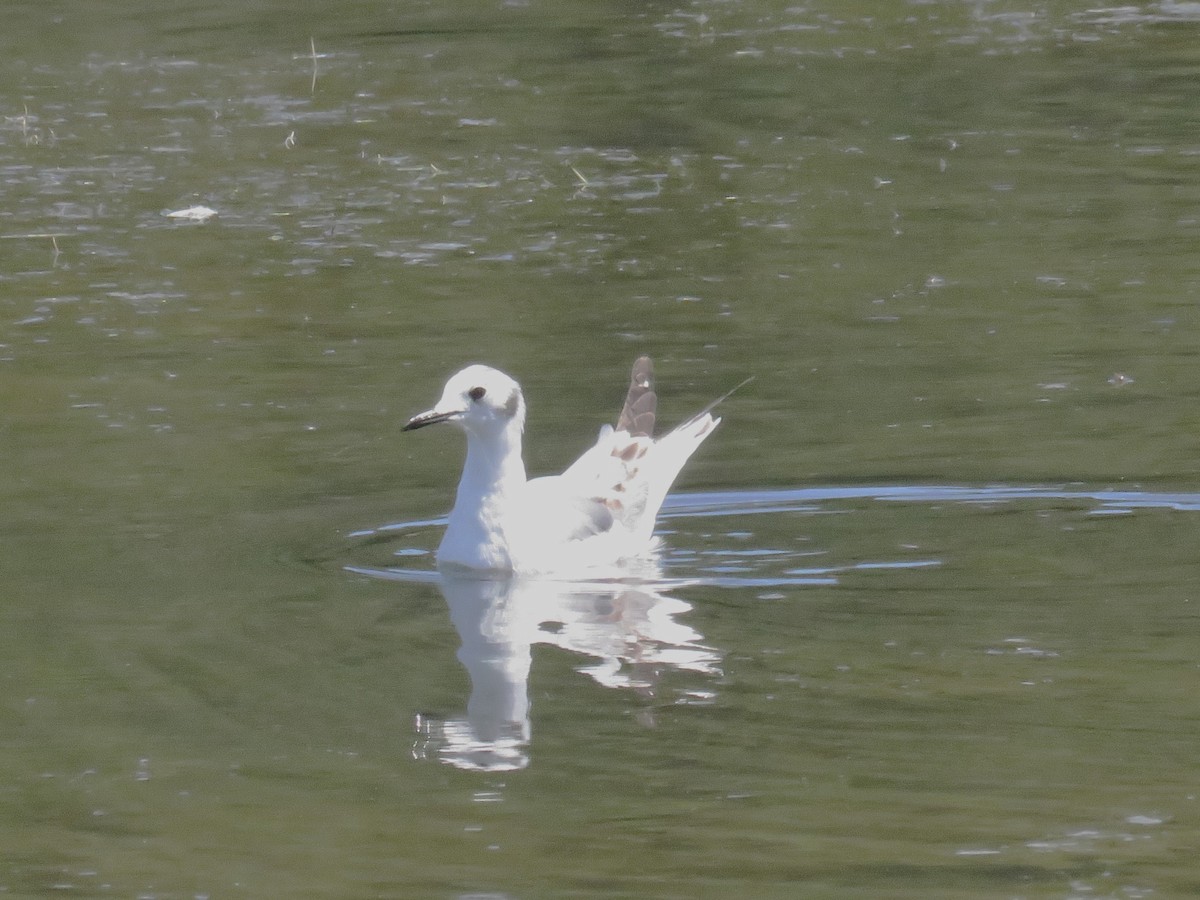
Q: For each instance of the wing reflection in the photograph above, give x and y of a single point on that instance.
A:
(629, 632)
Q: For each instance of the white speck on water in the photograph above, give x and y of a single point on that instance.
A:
(192, 214)
(1145, 820)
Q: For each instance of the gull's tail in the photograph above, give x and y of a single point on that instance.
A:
(661, 463)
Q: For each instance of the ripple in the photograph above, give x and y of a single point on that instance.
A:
(733, 563)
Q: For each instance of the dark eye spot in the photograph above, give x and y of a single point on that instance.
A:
(476, 393)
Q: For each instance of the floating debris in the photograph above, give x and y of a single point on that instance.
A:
(192, 214)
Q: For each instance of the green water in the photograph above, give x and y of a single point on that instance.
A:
(956, 243)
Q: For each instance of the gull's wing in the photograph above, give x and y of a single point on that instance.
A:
(602, 485)
(637, 415)
(608, 473)
(619, 484)
(565, 510)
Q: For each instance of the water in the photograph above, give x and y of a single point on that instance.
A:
(928, 624)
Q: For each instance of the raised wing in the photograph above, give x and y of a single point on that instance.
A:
(637, 416)
(620, 483)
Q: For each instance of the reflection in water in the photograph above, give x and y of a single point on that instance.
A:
(628, 630)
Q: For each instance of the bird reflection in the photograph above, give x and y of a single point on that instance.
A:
(629, 631)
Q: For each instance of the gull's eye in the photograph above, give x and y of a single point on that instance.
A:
(476, 393)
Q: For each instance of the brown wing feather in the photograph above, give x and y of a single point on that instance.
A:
(637, 416)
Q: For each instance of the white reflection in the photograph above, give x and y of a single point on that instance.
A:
(628, 631)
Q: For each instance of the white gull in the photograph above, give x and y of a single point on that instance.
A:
(599, 513)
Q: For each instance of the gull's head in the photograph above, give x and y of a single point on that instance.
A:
(480, 400)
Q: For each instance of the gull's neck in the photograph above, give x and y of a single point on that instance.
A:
(494, 471)
(494, 464)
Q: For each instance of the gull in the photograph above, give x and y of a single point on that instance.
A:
(599, 513)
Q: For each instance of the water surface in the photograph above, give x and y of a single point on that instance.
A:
(927, 623)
